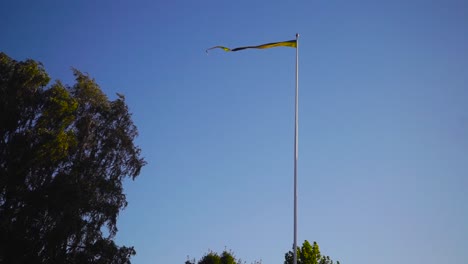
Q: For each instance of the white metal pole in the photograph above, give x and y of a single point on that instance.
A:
(296, 134)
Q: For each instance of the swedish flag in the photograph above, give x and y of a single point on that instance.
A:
(289, 43)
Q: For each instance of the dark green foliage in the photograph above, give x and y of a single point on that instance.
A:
(210, 258)
(214, 258)
(308, 254)
(64, 152)
(227, 258)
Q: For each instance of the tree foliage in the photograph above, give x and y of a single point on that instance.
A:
(308, 254)
(226, 257)
(64, 152)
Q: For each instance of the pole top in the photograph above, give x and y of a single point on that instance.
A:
(297, 35)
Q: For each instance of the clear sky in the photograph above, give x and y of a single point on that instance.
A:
(383, 147)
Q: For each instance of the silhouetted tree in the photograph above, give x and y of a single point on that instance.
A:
(226, 257)
(64, 152)
(308, 254)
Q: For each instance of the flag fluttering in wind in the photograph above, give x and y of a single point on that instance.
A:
(293, 44)
(289, 43)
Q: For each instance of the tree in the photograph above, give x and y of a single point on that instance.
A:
(308, 254)
(64, 152)
(227, 257)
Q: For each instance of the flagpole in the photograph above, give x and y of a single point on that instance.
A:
(296, 128)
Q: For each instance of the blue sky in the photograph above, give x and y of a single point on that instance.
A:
(383, 138)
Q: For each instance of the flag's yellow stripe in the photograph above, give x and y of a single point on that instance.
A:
(289, 43)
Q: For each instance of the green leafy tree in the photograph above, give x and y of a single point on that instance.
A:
(308, 254)
(226, 257)
(210, 258)
(64, 152)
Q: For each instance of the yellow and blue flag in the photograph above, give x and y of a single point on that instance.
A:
(289, 43)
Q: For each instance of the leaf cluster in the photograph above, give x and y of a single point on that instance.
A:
(308, 254)
(226, 257)
(64, 152)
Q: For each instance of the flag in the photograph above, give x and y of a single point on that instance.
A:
(289, 43)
